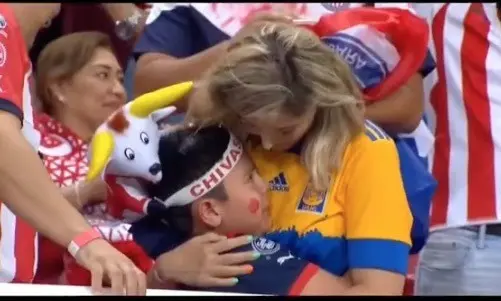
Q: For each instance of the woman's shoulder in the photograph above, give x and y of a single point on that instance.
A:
(372, 140)
(56, 140)
(372, 135)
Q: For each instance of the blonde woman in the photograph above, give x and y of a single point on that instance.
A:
(337, 195)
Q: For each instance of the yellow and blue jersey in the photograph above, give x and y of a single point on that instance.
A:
(363, 221)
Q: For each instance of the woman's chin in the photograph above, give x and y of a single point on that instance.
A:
(284, 147)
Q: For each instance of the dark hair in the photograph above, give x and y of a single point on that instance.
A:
(62, 58)
(186, 155)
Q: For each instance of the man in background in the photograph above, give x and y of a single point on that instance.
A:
(28, 197)
(462, 254)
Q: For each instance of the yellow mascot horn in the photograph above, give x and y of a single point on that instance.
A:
(101, 149)
(146, 104)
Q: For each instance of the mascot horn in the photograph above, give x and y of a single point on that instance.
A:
(124, 149)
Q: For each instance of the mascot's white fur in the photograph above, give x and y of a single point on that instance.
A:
(124, 150)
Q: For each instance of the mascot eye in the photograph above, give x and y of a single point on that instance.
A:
(144, 137)
(129, 154)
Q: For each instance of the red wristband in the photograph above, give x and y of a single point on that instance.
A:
(82, 239)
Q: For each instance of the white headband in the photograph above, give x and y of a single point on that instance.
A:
(210, 179)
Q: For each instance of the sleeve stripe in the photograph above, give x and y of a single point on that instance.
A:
(374, 132)
(380, 133)
(304, 278)
(369, 134)
(378, 254)
(9, 106)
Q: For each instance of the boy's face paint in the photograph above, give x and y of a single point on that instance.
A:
(254, 206)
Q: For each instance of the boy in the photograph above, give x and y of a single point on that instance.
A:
(210, 184)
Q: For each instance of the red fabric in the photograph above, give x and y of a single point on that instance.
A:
(14, 62)
(401, 26)
(120, 200)
(65, 157)
(409, 280)
(465, 103)
(18, 256)
(65, 154)
(309, 271)
(74, 274)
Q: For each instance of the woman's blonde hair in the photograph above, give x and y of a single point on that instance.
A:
(277, 68)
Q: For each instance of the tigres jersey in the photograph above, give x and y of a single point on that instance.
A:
(362, 221)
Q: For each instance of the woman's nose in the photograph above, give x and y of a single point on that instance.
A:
(119, 89)
(266, 142)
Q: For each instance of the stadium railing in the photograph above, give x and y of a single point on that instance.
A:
(10, 289)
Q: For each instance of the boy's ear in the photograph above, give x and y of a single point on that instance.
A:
(209, 212)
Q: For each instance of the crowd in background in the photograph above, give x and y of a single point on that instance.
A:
(65, 68)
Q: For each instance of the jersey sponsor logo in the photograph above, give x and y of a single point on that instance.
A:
(312, 201)
(3, 54)
(282, 259)
(265, 246)
(279, 183)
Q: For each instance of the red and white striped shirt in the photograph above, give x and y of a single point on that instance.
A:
(18, 240)
(465, 112)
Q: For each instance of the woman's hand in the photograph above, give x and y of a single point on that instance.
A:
(91, 192)
(97, 190)
(200, 262)
(106, 263)
(85, 193)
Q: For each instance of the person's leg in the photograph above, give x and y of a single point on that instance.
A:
(457, 262)
(18, 248)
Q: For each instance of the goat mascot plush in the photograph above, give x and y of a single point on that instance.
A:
(124, 150)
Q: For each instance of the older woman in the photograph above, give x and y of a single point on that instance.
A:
(79, 84)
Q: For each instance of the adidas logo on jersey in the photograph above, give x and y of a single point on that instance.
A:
(279, 183)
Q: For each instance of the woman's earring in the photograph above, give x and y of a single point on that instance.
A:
(47, 24)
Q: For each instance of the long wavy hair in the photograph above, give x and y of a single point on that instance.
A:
(278, 68)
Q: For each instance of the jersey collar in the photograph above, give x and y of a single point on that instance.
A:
(50, 127)
(296, 149)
